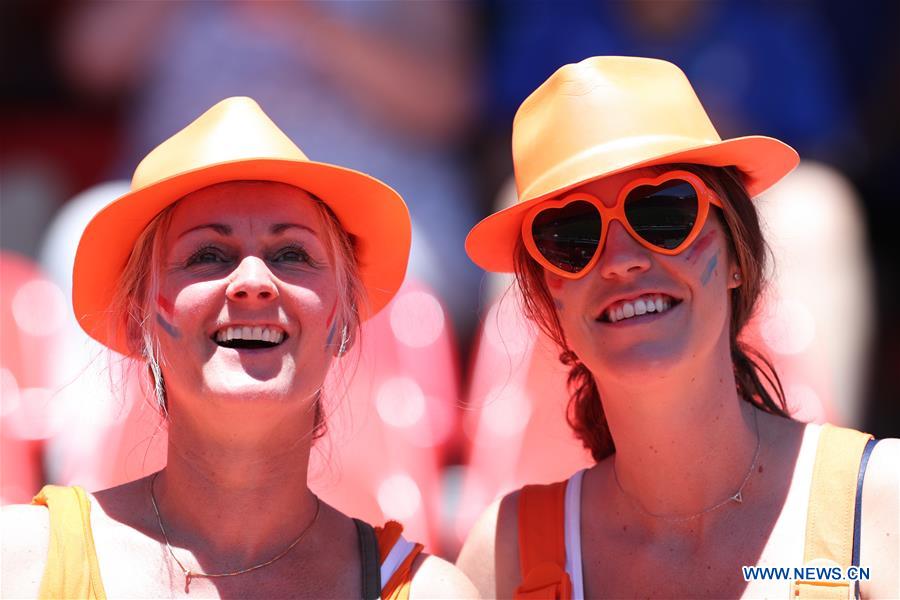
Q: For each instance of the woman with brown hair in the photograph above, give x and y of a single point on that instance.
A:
(638, 250)
(235, 272)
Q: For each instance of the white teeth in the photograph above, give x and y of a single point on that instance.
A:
(645, 304)
(266, 334)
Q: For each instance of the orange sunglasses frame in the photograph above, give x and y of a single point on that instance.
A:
(705, 197)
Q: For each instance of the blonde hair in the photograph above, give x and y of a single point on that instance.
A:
(138, 287)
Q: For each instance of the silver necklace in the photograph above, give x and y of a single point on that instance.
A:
(190, 574)
(736, 497)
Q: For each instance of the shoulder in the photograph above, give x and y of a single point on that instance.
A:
(434, 577)
(880, 537)
(490, 555)
(26, 540)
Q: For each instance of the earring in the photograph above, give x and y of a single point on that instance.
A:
(737, 276)
(345, 341)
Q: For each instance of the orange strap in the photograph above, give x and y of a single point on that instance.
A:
(72, 569)
(832, 499)
(397, 587)
(542, 543)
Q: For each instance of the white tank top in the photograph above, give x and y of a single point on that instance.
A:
(785, 544)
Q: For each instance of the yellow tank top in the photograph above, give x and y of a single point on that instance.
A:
(72, 569)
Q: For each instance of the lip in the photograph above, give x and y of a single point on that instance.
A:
(631, 296)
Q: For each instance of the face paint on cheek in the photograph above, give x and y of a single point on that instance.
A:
(167, 327)
(708, 271)
(330, 337)
(331, 315)
(558, 304)
(162, 317)
(699, 246)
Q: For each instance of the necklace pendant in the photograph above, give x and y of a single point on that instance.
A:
(737, 497)
(187, 581)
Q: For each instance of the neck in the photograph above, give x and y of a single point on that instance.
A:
(236, 498)
(683, 443)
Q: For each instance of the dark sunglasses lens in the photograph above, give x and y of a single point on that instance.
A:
(568, 237)
(664, 214)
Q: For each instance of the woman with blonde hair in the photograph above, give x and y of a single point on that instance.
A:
(237, 270)
(638, 251)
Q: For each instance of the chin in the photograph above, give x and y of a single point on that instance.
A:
(645, 361)
(250, 392)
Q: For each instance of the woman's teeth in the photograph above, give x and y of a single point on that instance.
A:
(631, 308)
(260, 334)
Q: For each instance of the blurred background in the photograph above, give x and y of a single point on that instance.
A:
(452, 399)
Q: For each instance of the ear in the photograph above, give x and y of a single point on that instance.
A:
(734, 278)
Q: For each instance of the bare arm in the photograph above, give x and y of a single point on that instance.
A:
(434, 577)
(26, 538)
(490, 556)
(880, 536)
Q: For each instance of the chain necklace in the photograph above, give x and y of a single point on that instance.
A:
(735, 497)
(190, 574)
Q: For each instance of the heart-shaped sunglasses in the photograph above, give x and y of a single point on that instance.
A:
(664, 214)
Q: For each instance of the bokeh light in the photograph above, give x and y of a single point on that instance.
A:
(399, 497)
(400, 402)
(417, 319)
(39, 307)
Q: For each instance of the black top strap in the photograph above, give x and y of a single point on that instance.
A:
(857, 514)
(368, 552)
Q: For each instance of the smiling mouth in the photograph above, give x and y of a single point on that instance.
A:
(643, 305)
(249, 338)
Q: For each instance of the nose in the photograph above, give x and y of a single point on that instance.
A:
(622, 255)
(251, 281)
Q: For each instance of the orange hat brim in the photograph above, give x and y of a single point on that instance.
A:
(762, 160)
(367, 209)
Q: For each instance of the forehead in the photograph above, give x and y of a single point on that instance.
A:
(253, 202)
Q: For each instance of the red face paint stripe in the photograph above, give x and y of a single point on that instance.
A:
(701, 245)
(331, 316)
(554, 282)
(165, 304)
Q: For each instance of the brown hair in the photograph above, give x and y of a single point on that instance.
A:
(138, 286)
(755, 376)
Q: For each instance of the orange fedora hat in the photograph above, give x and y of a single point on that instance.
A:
(605, 115)
(235, 140)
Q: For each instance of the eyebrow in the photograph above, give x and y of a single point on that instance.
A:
(225, 230)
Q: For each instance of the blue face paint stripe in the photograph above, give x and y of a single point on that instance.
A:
(707, 272)
(331, 334)
(558, 303)
(167, 327)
